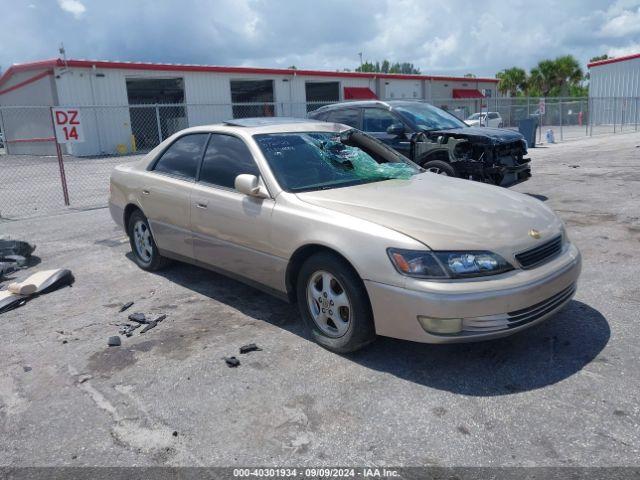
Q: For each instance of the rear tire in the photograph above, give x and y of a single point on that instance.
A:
(440, 167)
(143, 246)
(334, 304)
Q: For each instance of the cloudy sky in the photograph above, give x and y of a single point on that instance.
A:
(440, 37)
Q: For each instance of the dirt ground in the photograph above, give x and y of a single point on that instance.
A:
(564, 393)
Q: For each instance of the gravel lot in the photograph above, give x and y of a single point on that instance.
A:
(564, 393)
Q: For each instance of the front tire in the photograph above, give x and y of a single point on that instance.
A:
(334, 304)
(143, 246)
(440, 167)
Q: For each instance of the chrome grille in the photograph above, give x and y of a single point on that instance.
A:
(517, 318)
(540, 254)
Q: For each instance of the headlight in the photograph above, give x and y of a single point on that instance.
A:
(424, 264)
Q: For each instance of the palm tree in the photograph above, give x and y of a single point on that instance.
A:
(512, 80)
(568, 73)
(555, 77)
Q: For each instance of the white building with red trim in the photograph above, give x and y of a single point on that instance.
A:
(115, 97)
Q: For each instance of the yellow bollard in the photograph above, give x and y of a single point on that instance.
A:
(134, 148)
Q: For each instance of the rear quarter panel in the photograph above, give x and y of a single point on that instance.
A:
(122, 187)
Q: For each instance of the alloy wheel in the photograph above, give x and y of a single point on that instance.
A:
(142, 241)
(328, 304)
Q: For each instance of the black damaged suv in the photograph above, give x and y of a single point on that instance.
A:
(437, 140)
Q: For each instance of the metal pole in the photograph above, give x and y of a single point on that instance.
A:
(540, 115)
(590, 113)
(4, 133)
(158, 124)
(585, 110)
(615, 113)
(636, 117)
(63, 176)
(561, 131)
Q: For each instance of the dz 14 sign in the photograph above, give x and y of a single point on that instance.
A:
(68, 125)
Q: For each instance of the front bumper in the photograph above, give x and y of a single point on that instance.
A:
(489, 308)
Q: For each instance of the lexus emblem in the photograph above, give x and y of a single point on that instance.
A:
(533, 233)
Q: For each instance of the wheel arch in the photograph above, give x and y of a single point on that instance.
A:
(300, 256)
(128, 211)
(439, 154)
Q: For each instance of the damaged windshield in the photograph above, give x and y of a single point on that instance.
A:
(427, 117)
(322, 160)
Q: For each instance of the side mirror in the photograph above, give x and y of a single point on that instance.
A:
(250, 185)
(396, 129)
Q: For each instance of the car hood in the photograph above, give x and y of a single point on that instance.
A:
(446, 213)
(482, 134)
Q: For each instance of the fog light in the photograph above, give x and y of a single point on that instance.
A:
(441, 325)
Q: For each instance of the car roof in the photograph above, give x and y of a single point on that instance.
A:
(359, 103)
(368, 103)
(276, 125)
(264, 121)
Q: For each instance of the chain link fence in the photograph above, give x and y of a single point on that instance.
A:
(31, 176)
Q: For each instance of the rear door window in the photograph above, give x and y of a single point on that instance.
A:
(226, 158)
(182, 158)
(377, 120)
(348, 116)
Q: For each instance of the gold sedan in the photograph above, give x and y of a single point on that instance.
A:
(365, 241)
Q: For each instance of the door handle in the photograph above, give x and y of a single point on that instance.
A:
(146, 192)
(201, 205)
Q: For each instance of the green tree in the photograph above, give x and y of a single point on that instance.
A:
(512, 80)
(568, 74)
(388, 67)
(553, 78)
(599, 57)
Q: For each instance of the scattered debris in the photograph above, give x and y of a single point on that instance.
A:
(14, 255)
(9, 301)
(114, 341)
(232, 362)
(175, 434)
(125, 306)
(15, 247)
(26, 368)
(574, 166)
(149, 326)
(18, 260)
(7, 266)
(64, 342)
(251, 347)
(45, 281)
(138, 317)
(128, 329)
(84, 377)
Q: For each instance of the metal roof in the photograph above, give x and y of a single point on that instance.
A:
(613, 60)
(178, 67)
